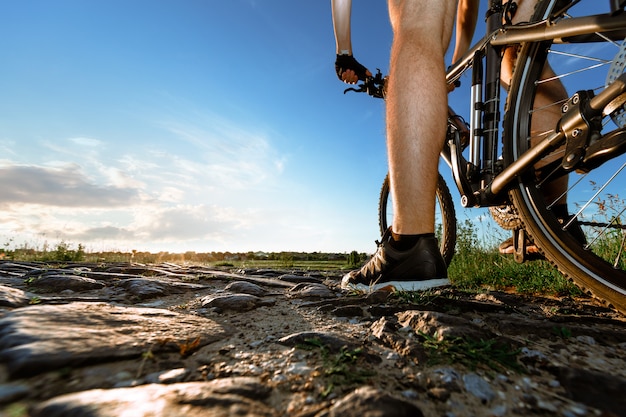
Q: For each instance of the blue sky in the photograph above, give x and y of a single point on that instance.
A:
(189, 125)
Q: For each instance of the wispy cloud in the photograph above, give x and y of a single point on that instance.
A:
(62, 187)
(229, 155)
(211, 180)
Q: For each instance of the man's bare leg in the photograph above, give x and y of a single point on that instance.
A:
(409, 258)
(417, 108)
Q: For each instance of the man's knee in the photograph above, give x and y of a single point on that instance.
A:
(423, 20)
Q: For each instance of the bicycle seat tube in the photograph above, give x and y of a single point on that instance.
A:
(491, 114)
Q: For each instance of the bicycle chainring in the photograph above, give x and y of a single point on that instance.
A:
(506, 217)
(615, 70)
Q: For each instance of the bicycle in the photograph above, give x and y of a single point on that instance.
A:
(587, 52)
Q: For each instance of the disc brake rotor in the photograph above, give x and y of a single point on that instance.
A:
(615, 70)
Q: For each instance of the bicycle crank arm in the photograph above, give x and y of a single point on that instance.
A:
(531, 156)
(611, 145)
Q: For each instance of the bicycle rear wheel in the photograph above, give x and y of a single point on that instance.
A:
(445, 216)
(595, 199)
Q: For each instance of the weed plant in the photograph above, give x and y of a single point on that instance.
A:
(494, 354)
(341, 368)
(477, 265)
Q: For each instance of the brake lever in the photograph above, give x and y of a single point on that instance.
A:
(362, 89)
(372, 86)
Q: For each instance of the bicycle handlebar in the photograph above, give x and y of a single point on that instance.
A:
(374, 86)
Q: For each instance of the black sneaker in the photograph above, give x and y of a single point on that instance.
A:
(420, 268)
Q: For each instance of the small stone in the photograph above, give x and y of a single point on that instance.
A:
(377, 297)
(586, 340)
(279, 378)
(440, 394)
(167, 377)
(236, 302)
(297, 279)
(368, 401)
(548, 406)
(442, 325)
(12, 392)
(554, 383)
(499, 411)
(308, 291)
(410, 394)
(447, 378)
(298, 368)
(478, 387)
(144, 288)
(348, 311)
(255, 344)
(244, 287)
(533, 356)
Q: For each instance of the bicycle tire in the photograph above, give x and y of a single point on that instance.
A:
(445, 228)
(596, 264)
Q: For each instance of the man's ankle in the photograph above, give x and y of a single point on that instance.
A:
(406, 242)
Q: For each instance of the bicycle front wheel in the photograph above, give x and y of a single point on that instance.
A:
(587, 243)
(445, 216)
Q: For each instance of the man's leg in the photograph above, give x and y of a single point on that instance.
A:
(417, 108)
(409, 257)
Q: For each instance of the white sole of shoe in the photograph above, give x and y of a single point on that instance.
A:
(403, 285)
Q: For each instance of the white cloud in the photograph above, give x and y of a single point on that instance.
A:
(230, 156)
(88, 142)
(211, 184)
(59, 187)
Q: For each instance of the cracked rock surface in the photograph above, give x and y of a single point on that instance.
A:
(182, 340)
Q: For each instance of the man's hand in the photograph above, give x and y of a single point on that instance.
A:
(349, 70)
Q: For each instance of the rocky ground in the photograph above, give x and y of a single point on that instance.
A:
(169, 340)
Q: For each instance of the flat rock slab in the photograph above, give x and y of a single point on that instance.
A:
(60, 282)
(230, 397)
(367, 401)
(40, 338)
(12, 297)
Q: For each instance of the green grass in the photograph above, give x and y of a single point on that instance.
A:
(493, 354)
(492, 270)
(478, 264)
(339, 368)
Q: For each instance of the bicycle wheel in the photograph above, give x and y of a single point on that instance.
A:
(595, 199)
(445, 216)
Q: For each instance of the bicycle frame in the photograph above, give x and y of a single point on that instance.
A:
(483, 179)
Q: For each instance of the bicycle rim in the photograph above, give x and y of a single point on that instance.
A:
(445, 216)
(596, 198)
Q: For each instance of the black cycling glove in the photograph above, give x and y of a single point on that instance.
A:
(347, 62)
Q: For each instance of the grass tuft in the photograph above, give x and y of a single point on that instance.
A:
(494, 354)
